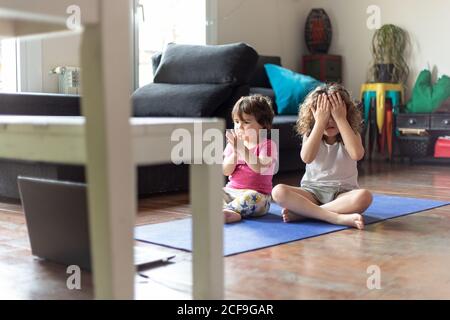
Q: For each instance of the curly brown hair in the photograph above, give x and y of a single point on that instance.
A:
(259, 106)
(305, 120)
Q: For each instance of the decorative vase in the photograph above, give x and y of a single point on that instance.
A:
(318, 31)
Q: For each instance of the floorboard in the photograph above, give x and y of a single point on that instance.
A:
(412, 252)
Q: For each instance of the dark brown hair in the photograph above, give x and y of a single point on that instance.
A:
(258, 106)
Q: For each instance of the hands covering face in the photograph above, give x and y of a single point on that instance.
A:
(329, 105)
(338, 107)
(322, 112)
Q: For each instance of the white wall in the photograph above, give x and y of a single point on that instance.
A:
(427, 23)
(58, 51)
(277, 27)
(39, 56)
(272, 27)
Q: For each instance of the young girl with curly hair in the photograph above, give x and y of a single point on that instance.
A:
(329, 122)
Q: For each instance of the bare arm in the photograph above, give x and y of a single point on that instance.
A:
(310, 145)
(230, 161)
(229, 164)
(257, 164)
(352, 141)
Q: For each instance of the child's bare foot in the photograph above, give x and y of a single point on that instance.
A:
(231, 216)
(291, 217)
(352, 220)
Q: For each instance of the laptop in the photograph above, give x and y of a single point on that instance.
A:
(56, 214)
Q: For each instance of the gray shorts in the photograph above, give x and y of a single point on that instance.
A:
(324, 194)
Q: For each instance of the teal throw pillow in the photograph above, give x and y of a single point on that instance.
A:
(290, 88)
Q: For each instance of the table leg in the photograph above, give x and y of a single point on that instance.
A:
(206, 182)
(110, 168)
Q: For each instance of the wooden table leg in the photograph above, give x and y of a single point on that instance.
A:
(206, 183)
(110, 168)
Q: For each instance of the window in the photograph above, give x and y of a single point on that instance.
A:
(8, 66)
(163, 21)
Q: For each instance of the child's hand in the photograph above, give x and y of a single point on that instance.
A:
(234, 139)
(231, 138)
(322, 112)
(338, 107)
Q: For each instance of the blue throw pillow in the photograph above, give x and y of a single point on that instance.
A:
(290, 87)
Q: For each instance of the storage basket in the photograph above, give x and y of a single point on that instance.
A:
(414, 146)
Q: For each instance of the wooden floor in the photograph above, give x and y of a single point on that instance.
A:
(412, 252)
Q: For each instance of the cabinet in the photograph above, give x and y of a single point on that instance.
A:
(323, 67)
(430, 126)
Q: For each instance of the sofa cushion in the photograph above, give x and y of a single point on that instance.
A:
(288, 138)
(175, 100)
(229, 63)
(290, 87)
(259, 78)
(290, 160)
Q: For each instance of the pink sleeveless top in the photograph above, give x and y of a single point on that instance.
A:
(243, 177)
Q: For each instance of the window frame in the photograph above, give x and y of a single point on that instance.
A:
(211, 9)
(30, 67)
(12, 71)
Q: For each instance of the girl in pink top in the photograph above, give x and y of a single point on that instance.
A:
(249, 160)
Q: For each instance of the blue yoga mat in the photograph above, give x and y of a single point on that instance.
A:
(270, 230)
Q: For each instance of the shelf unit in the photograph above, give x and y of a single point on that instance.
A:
(421, 148)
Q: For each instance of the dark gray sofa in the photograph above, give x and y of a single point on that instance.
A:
(289, 142)
(150, 179)
(196, 81)
(226, 82)
(173, 70)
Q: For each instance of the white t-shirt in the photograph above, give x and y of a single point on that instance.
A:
(332, 167)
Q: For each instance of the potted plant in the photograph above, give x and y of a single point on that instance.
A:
(388, 47)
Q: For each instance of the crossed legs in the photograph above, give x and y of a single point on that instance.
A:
(346, 209)
(244, 203)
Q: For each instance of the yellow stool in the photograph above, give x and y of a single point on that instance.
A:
(381, 89)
